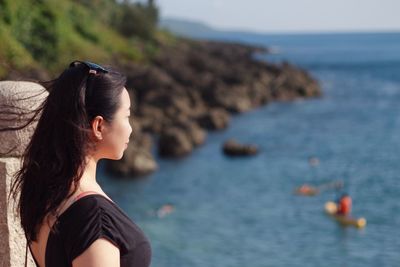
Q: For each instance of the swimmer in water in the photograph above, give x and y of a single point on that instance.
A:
(165, 210)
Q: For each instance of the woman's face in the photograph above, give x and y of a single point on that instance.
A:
(115, 134)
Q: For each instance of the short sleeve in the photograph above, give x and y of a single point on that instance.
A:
(89, 223)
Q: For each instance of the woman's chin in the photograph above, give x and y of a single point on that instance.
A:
(120, 156)
(116, 157)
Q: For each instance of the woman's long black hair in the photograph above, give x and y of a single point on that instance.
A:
(54, 159)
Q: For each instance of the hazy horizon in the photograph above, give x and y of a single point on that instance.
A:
(343, 31)
(303, 16)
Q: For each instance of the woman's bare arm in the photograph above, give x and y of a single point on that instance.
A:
(102, 253)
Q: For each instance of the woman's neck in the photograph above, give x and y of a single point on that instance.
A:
(88, 180)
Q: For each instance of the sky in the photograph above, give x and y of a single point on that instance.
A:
(288, 15)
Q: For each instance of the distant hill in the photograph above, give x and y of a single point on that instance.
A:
(188, 28)
(200, 30)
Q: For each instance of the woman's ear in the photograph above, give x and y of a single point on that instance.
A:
(98, 127)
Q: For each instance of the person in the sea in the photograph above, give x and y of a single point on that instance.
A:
(307, 190)
(67, 218)
(344, 205)
(165, 210)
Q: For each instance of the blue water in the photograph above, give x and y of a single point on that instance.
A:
(242, 212)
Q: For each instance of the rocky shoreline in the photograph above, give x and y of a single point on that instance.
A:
(193, 87)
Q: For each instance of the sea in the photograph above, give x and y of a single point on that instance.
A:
(242, 212)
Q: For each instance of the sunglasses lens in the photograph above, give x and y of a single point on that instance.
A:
(93, 67)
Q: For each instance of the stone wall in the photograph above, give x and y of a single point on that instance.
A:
(14, 97)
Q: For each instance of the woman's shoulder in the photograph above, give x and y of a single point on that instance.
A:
(86, 205)
(95, 216)
(97, 213)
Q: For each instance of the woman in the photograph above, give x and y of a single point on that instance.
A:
(66, 216)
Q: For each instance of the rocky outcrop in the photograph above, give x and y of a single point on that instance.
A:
(214, 119)
(174, 142)
(194, 86)
(233, 148)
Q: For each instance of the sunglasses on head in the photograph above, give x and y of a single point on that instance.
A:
(93, 67)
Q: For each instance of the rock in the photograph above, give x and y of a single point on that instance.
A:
(215, 119)
(150, 117)
(292, 82)
(233, 148)
(174, 142)
(193, 131)
(234, 99)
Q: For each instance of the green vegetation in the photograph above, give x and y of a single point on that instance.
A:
(48, 34)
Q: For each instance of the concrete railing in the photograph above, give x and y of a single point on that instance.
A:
(15, 97)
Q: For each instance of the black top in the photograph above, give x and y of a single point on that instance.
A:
(92, 217)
